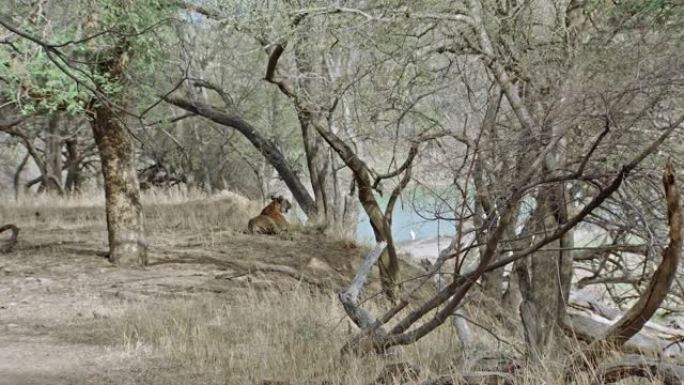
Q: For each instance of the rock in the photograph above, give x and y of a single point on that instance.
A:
(318, 265)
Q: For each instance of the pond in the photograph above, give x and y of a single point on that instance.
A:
(407, 225)
(414, 230)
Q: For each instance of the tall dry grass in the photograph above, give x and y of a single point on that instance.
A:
(287, 332)
(163, 209)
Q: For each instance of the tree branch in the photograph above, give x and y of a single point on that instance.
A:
(350, 297)
(271, 69)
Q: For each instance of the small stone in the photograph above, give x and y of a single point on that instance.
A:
(317, 264)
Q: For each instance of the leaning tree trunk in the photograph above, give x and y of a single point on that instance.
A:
(124, 211)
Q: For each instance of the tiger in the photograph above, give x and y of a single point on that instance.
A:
(271, 221)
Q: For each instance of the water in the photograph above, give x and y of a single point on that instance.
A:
(404, 221)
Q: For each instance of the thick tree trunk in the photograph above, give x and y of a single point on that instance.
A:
(125, 229)
(492, 282)
(547, 290)
(122, 193)
(544, 284)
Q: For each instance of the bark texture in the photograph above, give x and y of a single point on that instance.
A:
(125, 229)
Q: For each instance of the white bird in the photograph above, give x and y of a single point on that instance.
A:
(413, 235)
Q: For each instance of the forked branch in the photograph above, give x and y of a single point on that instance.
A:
(272, 72)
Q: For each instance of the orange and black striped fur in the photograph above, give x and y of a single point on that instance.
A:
(271, 220)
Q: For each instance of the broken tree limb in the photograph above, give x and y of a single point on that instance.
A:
(657, 289)
(13, 237)
(635, 365)
(473, 378)
(636, 317)
(350, 297)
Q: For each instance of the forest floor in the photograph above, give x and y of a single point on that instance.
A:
(214, 306)
(197, 313)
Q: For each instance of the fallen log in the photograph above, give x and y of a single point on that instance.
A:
(9, 246)
(634, 365)
(473, 378)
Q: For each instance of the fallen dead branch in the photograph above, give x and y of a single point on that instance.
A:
(636, 317)
(244, 267)
(657, 289)
(9, 246)
(350, 297)
(473, 378)
(635, 365)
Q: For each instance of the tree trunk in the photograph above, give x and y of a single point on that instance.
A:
(122, 193)
(389, 261)
(317, 161)
(73, 178)
(52, 179)
(492, 282)
(127, 244)
(550, 271)
(315, 148)
(17, 175)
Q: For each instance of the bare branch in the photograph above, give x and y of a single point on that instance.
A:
(657, 289)
(271, 72)
(634, 365)
(350, 297)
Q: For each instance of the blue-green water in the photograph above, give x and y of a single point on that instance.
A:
(404, 220)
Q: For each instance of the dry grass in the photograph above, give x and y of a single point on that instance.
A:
(252, 335)
(175, 323)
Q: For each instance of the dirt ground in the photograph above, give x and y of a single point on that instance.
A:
(57, 280)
